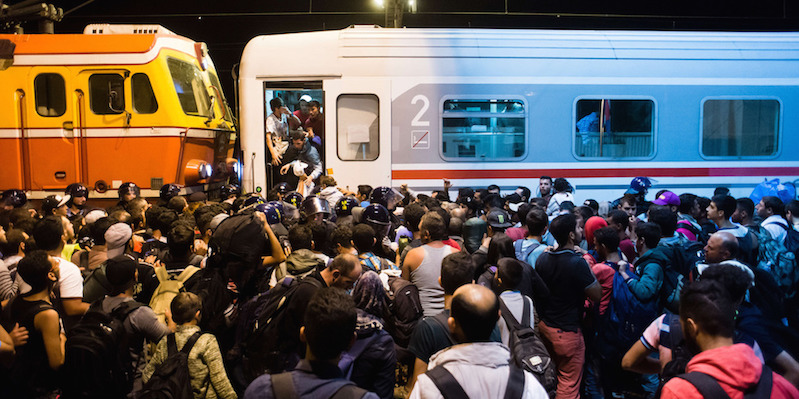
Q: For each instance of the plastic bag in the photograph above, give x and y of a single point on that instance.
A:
(785, 192)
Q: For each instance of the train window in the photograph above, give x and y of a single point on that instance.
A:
(190, 87)
(107, 93)
(610, 128)
(51, 95)
(740, 128)
(483, 129)
(358, 127)
(143, 97)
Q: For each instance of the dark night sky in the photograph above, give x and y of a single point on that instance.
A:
(226, 26)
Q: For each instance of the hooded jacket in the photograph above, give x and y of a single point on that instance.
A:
(299, 263)
(735, 367)
(481, 368)
(649, 268)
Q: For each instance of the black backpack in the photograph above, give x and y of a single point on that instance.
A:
(96, 356)
(283, 388)
(405, 308)
(237, 246)
(527, 351)
(449, 387)
(683, 258)
(264, 343)
(709, 387)
(172, 379)
(210, 284)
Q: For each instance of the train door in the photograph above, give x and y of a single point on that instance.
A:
(359, 131)
(52, 157)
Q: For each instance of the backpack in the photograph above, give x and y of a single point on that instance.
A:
(709, 387)
(522, 255)
(527, 351)
(96, 285)
(626, 319)
(405, 308)
(683, 258)
(774, 257)
(283, 388)
(237, 246)
(211, 286)
(172, 378)
(96, 356)
(168, 288)
(347, 362)
(263, 342)
(449, 387)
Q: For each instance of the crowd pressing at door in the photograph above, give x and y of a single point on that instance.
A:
(386, 293)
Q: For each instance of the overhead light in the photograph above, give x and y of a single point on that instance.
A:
(379, 3)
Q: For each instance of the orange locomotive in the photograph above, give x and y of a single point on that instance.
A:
(116, 103)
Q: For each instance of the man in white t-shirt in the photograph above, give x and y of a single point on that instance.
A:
(50, 236)
(277, 129)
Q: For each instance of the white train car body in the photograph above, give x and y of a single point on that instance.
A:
(693, 110)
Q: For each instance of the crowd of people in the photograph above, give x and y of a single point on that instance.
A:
(388, 293)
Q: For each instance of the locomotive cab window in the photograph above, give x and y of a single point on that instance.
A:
(611, 128)
(740, 128)
(143, 97)
(190, 87)
(483, 129)
(50, 94)
(107, 93)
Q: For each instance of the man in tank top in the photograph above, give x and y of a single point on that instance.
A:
(423, 264)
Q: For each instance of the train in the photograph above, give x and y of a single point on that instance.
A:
(690, 110)
(114, 104)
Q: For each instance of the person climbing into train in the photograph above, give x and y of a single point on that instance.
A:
(277, 129)
(302, 160)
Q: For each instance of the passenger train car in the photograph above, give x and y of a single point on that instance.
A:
(116, 103)
(692, 110)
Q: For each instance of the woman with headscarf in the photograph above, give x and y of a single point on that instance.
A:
(371, 361)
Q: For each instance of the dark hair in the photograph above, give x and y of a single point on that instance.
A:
(179, 239)
(733, 278)
(545, 178)
(725, 203)
(567, 206)
(275, 103)
(33, 268)
(136, 208)
(501, 246)
(562, 226)
(585, 211)
(22, 219)
(562, 185)
(342, 235)
(314, 103)
(300, 237)
(709, 305)
(721, 191)
(457, 269)
(687, 201)
(522, 211)
(152, 215)
(48, 232)
(792, 207)
(510, 271)
(364, 190)
(628, 199)
(204, 214)
(14, 238)
(662, 216)
(319, 234)
(177, 203)
(98, 228)
(493, 187)
(747, 205)
(455, 227)
(650, 232)
(297, 135)
(619, 217)
(493, 201)
(434, 225)
(363, 236)
(184, 306)
(539, 202)
(477, 320)
(441, 195)
(591, 203)
(703, 202)
(775, 204)
(608, 237)
(329, 323)
(343, 264)
(536, 221)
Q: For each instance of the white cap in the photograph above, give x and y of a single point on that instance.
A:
(306, 98)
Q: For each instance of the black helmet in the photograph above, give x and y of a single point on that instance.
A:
(272, 213)
(128, 188)
(376, 213)
(168, 191)
(386, 196)
(314, 205)
(253, 200)
(282, 188)
(278, 205)
(227, 190)
(293, 198)
(77, 190)
(344, 206)
(15, 198)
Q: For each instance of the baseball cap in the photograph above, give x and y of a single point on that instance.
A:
(92, 216)
(116, 238)
(53, 202)
(306, 98)
(499, 218)
(638, 185)
(667, 198)
(120, 272)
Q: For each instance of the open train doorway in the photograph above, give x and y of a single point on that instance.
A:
(290, 108)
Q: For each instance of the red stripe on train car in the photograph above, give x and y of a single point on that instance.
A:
(588, 173)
